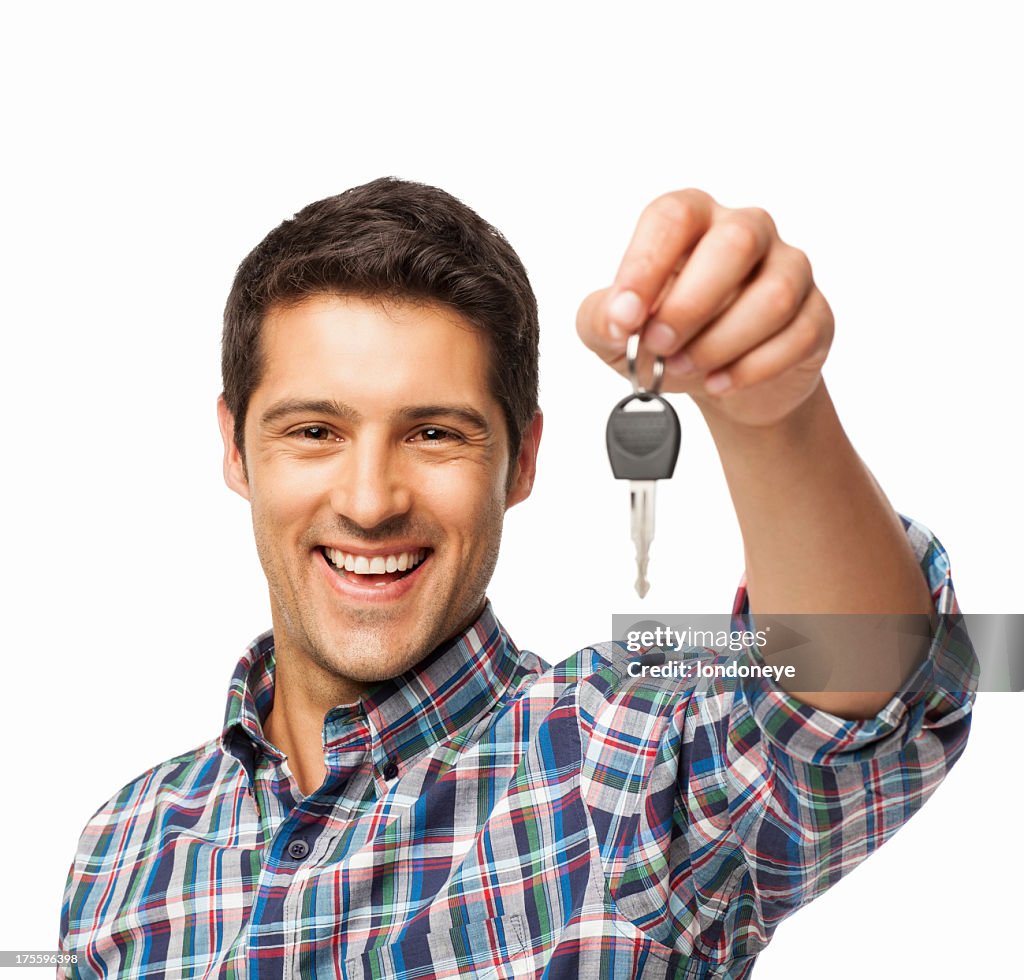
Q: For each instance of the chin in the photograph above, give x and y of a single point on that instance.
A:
(371, 655)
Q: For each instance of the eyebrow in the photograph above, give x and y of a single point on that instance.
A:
(465, 414)
(317, 406)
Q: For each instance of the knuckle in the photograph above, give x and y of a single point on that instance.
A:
(828, 333)
(644, 262)
(782, 295)
(683, 313)
(807, 335)
(676, 207)
(800, 262)
(826, 325)
(761, 218)
(740, 237)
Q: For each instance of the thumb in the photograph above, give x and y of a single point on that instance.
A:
(597, 327)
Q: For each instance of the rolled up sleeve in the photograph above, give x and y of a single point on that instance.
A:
(806, 795)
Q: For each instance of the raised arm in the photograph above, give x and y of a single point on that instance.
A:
(745, 331)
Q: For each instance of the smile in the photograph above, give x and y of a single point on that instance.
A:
(376, 571)
(377, 564)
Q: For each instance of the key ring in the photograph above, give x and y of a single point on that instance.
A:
(632, 349)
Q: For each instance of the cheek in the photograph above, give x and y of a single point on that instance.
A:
(461, 496)
(467, 504)
(283, 496)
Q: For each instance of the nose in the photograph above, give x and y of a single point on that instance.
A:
(370, 486)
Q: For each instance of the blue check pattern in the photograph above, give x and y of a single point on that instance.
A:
(489, 815)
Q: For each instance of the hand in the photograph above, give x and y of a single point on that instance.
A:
(731, 307)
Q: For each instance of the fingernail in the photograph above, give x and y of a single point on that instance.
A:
(715, 384)
(680, 364)
(615, 331)
(626, 309)
(660, 338)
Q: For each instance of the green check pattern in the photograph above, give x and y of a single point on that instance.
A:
(487, 814)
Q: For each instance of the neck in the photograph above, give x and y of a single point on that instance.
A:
(303, 694)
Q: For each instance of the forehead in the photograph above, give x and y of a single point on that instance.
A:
(360, 345)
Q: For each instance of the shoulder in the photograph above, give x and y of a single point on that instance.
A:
(179, 785)
(615, 689)
(135, 832)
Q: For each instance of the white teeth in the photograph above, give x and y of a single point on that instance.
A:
(378, 564)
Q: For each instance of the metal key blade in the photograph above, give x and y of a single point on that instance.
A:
(641, 511)
(643, 438)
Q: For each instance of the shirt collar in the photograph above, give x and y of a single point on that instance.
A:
(453, 686)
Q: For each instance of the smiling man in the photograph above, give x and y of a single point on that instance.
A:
(378, 469)
(398, 790)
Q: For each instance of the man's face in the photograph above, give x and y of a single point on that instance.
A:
(376, 467)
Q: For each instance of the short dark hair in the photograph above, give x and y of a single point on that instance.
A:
(394, 240)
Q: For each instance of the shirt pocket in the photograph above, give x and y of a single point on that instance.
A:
(489, 949)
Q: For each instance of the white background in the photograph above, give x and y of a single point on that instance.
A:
(148, 149)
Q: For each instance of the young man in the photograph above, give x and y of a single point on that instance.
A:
(398, 790)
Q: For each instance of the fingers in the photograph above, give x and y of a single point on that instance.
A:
(610, 350)
(667, 230)
(805, 341)
(592, 327)
(712, 276)
(716, 293)
(770, 301)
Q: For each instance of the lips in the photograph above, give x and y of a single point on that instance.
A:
(362, 564)
(361, 572)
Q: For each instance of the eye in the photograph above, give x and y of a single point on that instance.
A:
(434, 433)
(314, 433)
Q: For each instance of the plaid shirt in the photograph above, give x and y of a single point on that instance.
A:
(488, 815)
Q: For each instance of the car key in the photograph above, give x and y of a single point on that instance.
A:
(643, 437)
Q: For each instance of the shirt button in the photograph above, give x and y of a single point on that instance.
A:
(298, 849)
(390, 770)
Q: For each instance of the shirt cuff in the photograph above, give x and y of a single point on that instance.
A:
(938, 693)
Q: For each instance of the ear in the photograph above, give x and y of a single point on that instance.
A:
(234, 466)
(526, 463)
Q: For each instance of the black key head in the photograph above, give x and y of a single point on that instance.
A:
(643, 437)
